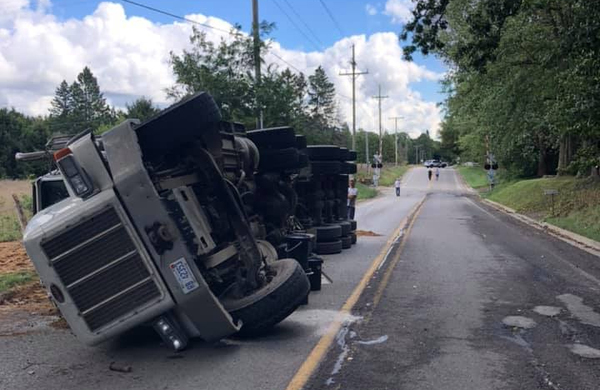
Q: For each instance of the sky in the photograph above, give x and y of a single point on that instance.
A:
(43, 42)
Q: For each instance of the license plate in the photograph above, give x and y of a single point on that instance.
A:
(184, 275)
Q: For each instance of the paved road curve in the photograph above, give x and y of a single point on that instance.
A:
(473, 300)
(47, 358)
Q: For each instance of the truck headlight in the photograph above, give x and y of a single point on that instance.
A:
(74, 175)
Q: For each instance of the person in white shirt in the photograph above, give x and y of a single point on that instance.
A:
(397, 186)
(352, 194)
(437, 173)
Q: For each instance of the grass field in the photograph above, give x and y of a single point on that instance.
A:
(365, 191)
(576, 206)
(9, 225)
(474, 176)
(389, 174)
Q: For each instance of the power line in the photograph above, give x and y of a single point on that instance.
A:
(337, 25)
(204, 25)
(296, 26)
(178, 17)
(292, 66)
(304, 23)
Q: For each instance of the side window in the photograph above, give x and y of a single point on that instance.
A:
(51, 192)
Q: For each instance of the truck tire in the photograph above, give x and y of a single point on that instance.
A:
(273, 138)
(352, 155)
(199, 108)
(352, 225)
(344, 154)
(348, 168)
(272, 303)
(328, 232)
(323, 152)
(353, 237)
(301, 142)
(278, 159)
(329, 247)
(346, 227)
(346, 242)
(325, 167)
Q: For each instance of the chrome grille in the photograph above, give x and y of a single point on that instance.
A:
(101, 269)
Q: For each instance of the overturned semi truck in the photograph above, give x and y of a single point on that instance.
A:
(184, 222)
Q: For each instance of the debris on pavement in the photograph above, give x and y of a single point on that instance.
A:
(119, 368)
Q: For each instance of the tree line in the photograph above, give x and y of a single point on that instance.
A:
(523, 80)
(223, 69)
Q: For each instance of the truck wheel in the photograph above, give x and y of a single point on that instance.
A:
(323, 152)
(329, 248)
(344, 154)
(278, 159)
(273, 302)
(301, 142)
(352, 155)
(353, 237)
(328, 232)
(346, 227)
(325, 167)
(273, 138)
(348, 168)
(346, 242)
(352, 225)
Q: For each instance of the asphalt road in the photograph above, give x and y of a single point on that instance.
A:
(471, 299)
(467, 298)
(35, 356)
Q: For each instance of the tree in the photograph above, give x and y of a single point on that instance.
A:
(90, 110)
(142, 109)
(224, 70)
(524, 75)
(80, 106)
(20, 133)
(321, 94)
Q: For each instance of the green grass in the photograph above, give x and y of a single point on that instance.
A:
(576, 206)
(476, 177)
(585, 222)
(365, 192)
(9, 228)
(390, 174)
(13, 279)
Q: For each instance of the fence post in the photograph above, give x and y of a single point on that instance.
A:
(20, 214)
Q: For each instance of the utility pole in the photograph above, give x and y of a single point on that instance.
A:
(367, 149)
(256, 35)
(354, 73)
(380, 98)
(395, 119)
(417, 154)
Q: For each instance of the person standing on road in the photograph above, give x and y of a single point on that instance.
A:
(352, 194)
(437, 174)
(429, 173)
(397, 186)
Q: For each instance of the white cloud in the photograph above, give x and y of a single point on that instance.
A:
(381, 55)
(399, 10)
(130, 57)
(371, 9)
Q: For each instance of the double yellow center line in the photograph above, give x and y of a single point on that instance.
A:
(318, 352)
